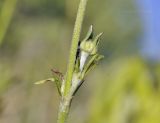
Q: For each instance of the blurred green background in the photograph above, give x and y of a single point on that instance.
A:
(35, 37)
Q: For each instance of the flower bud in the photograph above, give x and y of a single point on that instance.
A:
(89, 47)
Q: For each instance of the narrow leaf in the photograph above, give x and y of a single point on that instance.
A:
(97, 38)
(89, 34)
(89, 64)
(44, 81)
(92, 63)
(77, 65)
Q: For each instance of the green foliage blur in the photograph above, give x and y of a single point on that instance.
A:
(35, 37)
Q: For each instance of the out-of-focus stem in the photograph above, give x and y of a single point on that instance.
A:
(6, 15)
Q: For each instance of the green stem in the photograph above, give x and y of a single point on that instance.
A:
(64, 109)
(74, 45)
(66, 95)
(6, 15)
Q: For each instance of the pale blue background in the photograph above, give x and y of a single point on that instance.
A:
(150, 15)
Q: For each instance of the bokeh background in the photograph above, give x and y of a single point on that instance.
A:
(35, 36)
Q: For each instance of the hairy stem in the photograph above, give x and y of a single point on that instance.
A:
(74, 45)
(64, 109)
(66, 94)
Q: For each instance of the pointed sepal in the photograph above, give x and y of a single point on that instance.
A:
(89, 34)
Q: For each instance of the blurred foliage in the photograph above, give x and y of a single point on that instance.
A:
(6, 12)
(36, 37)
(129, 93)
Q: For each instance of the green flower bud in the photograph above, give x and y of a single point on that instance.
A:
(89, 47)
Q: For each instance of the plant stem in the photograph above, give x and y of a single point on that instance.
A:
(64, 109)
(74, 45)
(66, 95)
(6, 14)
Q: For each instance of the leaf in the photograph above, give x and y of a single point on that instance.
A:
(58, 83)
(58, 74)
(92, 63)
(89, 34)
(77, 65)
(44, 81)
(97, 39)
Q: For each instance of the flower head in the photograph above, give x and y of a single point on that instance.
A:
(88, 46)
